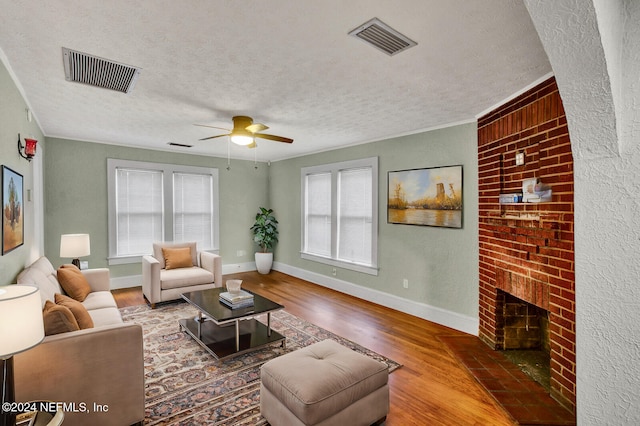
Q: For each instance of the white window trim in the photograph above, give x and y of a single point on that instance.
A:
(168, 170)
(334, 168)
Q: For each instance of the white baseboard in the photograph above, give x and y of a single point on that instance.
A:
(454, 320)
(126, 282)
(234, 268)
(440, 316)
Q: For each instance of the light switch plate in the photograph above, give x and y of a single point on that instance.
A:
(520, 159)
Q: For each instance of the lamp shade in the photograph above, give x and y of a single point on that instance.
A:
(21, 325)
(244, 138)
(30, 147)
(75, 245)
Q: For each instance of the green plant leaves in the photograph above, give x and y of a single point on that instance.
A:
(265, 229)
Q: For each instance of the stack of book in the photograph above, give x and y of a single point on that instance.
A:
(237, 299)
(510, 198)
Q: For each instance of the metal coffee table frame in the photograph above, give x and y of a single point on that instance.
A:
(226, 332)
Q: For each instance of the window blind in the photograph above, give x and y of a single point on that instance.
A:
(193, 208)
(318, 214)
(139, 211)
(340, 214)
(354, 215)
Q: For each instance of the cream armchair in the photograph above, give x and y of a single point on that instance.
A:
(165, 275)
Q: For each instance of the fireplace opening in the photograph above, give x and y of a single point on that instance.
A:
(526, 338)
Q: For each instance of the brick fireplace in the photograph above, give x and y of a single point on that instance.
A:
(525, 326)
(527, 249)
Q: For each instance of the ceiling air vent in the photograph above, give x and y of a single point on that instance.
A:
(94, 71)
(182, 145)
(383, 37)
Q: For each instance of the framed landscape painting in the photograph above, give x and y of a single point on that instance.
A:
(12, 210)
(428, 197)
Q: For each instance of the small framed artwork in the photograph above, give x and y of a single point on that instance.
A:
(12, 210)
(428, 197)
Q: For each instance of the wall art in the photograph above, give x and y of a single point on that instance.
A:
(429, 197)
(12, 210)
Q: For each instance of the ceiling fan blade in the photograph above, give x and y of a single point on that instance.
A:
(256, 127)
(213, 137)
(212, 127)
(273, 137)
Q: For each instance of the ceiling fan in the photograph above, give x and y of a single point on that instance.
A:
(245, 131)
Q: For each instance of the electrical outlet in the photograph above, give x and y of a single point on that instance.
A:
(334, 272)
(405, 283)
(240, 253)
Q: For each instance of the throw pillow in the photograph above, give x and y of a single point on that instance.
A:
(77, 309)
(58, 319)
(73, 282)
(177, 257)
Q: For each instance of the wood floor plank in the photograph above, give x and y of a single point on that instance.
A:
(431, 388)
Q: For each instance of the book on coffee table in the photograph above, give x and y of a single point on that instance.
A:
(236, 297)
(243, 304)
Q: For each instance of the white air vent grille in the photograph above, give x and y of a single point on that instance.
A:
(383, 37)
(94, 71)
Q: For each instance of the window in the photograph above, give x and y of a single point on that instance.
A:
(318, 215)
(151, 202)
(340, 220)
(193, 208)
(139, 212)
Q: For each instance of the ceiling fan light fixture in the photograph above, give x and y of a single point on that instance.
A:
(240, 139)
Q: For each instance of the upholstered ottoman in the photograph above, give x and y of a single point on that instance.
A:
(324, 384)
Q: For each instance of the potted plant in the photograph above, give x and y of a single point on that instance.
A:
(265, 234)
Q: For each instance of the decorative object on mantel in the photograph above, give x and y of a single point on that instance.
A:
(75, 246)
(29, 148)
(510, 198)
(265, 234)
(12, 210)
(534, 191)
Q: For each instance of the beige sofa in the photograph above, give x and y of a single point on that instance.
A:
(160, 284)
(97, 374)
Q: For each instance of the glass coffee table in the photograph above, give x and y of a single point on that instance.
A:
(225, 332)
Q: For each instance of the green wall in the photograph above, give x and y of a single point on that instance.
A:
(440, 263)
(13, 120)
(76, 198)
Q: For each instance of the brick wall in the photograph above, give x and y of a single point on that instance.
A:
(527, 249)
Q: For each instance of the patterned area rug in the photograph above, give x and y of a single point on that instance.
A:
(185, 385)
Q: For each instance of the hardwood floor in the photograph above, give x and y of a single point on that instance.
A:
(431, 388)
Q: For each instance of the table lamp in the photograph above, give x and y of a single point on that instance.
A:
(75, 246)
(21, 328)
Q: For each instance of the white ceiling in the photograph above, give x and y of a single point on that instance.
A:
(288, 64)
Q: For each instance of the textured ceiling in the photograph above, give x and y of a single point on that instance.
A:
(288, 64)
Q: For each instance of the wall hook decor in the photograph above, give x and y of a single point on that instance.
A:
(29, 148)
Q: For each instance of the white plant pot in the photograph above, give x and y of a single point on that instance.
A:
(264, 262)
